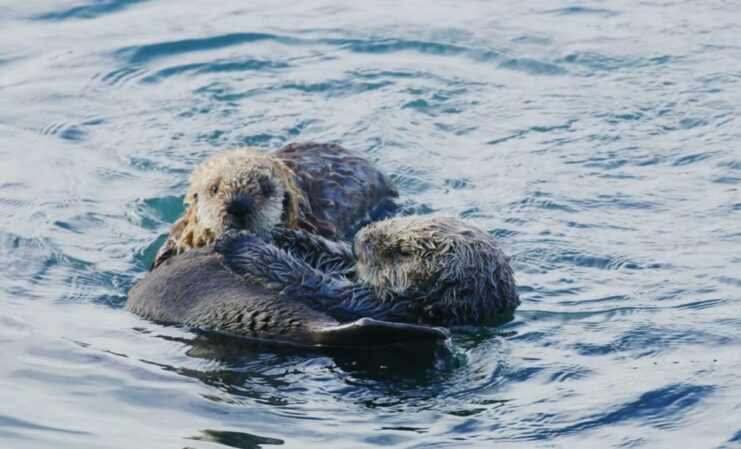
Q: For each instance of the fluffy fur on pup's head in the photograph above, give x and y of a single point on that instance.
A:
(453, 269)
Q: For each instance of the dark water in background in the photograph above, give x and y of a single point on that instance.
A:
(599, 141)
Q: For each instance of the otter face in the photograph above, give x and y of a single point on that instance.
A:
(238, 189)
(450, 266)
(404, 254)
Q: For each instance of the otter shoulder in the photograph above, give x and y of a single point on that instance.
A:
(345, 191)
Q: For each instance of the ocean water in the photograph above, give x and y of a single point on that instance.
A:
(598, 141)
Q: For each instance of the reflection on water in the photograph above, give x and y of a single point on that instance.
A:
(597, 142)
(239, 440)
(249, 368)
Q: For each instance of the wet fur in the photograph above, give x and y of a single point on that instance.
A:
(321, 188)
(436, 270)
(257, 261)
(451, 268)
(196, 289)
(334, 258)
(344, 191)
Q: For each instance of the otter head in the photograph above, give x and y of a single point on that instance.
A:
(453, 269)
(240, 189)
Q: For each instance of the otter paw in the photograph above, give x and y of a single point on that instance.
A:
(282, 235)
(233, 237)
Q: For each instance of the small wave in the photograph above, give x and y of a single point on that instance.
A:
(569, 372)
(10, 422)
(703, 304)
(239, 440)
(411, 179)
(68, 131)
(141, 54)
(533, 129)
(533, 66)
(693, 158)
(165, 209)
(417, 46)
(110, 174)
(735, 439)
(337, 87)
(92, 10)
(600, 61)
(663, 408)
(121, 75)
(213, 67)
(595, 61)
(605, 263)
(542, 201)
(582, 10)
(459, 183)
(25, 258)
(146, 53)
(533, 39)
(644, 341)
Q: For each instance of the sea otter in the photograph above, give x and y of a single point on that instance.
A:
(195, 288)
(438, 270)
(322, 188)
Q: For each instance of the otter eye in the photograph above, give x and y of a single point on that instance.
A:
(195, 196)
(215, 189)
(398, 252)
(266, 188)
(401, 252)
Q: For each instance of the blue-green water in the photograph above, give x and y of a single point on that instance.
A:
(599, 141)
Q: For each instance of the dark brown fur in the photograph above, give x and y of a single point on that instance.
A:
(342, 190)
(196, 289)
(437, 270)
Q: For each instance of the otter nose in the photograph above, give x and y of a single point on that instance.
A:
(239, 206)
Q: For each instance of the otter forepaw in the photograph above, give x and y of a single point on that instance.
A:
(232, 237)
(282, 235)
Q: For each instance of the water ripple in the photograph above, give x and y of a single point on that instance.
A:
(662, 408)
(582, 10)
(213, 67)
(596, 142)
(92, 10)
(146, 53)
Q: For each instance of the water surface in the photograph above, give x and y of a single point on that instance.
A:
(598, 141)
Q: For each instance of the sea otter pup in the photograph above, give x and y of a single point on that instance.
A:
(195, 288)
(322, 188)
(437, 270)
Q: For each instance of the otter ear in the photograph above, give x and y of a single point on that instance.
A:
(191, 198)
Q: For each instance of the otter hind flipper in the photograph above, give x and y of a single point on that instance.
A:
(371, 332)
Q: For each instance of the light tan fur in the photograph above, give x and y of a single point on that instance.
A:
(247, 172)
(453, 267)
